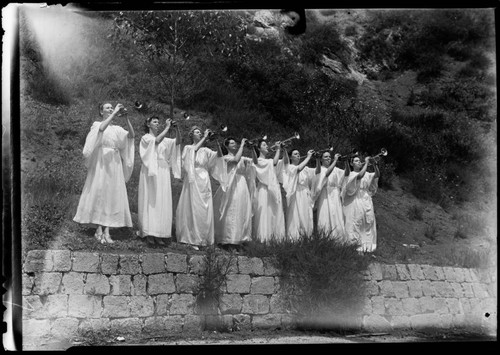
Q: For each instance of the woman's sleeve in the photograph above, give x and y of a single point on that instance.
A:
(372, 182)
(217, 167)
(173, 156)
(290, 180)
(127, 152)
(188, 162)
(279, 169)
(93, 140)
(148, 154)
(351, 184)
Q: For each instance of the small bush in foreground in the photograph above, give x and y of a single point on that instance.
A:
(415, 212)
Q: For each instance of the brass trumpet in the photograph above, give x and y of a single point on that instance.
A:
(352, 154)
(254, 141)
(175, 123)
(383, 153)
(220, 131)
(137, 105)
(295, 136)
(319, 153)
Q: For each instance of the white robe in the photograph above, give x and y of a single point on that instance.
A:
(233, 207)
(269, 218)
(155, 190)
(194, 221)
(299, 209)
(361, 226)
(327, 195)
(109, 158)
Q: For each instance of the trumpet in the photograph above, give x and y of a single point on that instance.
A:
(352, 154)
(137, 105)
(376, 158)
(295, 136)
(220, 131)
(175, 122)
(252, 142)
(319, 153)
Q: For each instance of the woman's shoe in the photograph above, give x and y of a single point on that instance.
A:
(107, 238)
(98, 236)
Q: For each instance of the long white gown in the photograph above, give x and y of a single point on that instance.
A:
(327, 194)
(233, 207)
(361, 225)
(194, 221)
(299, 209)
(269, 218)
(155, 190)
(109, 158)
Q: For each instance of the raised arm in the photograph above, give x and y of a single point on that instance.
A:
(286, 159)
(377, 172)
(332, 165)
(131, 133)
(254, 156)
(318, 165)
(108, 120)
(363, 170)
(306, 160)
(162, 135)
(219, 149)
(178, 136)
(347, 168)
(239, 153)
(202, 140)
(277, 154)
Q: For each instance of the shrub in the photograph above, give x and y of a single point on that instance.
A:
(415, 212)
(431, 232)
(469, 258)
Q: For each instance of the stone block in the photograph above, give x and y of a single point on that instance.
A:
(61, 260)
(262, 285)
(372, 288)
(424, 321)
(267, 321)
(177, 262)
(230, 304)
(400, 289)
(255, 304)
(378, 305)
(480, 290)
(120, 285)
(459, 274)
(84, 306)
(403, 272)
(27, 284)
(47, 283)
(139, 283)
(64, 328)
(186, 283)
(428, 288)
(375, 323)
(474, 275)
(441, 306)
(467, 275)
(32, 307)
(141, 306)
(445, 321)
(393, 306)
(85, 262)
(162, 326)
(389, 272)
(160, 283)
(34, 328)
(221, 323)
(129, 264)
(278, 304)
(449, 274)
(269, 267)
(173, 324)
(250, 266)
(116, 307)
(411, 306)
(56, 306)
(153, 263)
(416, 272)
(457, 289)
(162, 305)
(386, 288)
(375, 270)
(454, 306)
(400, 322)
(414, 288)
(196, 264)
(183, 303)
(126, 326)
(287, 321)
(96, 284)
(467, 290)
(38, 261)
(242, 322)
(427, 304)
(238, 283)
(72, 283)
(193, 324)
(98, 325)
(443, 289)
(109, 264)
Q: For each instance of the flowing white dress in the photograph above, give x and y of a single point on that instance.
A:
(361, 226)
(327, 195)
(299, 209)
(109, 158)
(233, 207)
(194, 221)
(155, 190)
(269, 218)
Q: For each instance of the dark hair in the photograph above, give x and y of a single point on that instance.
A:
(257, 147)
(100, 108)
(148, 120)
(291, 151)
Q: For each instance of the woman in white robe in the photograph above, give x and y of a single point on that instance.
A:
(360, 186)
(297, 178)
(109, 158)
(159, 155)
(233, 207)
(194, 221)
(269, 218)
(327, 195)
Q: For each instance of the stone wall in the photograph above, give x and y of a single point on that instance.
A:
(68, 292)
